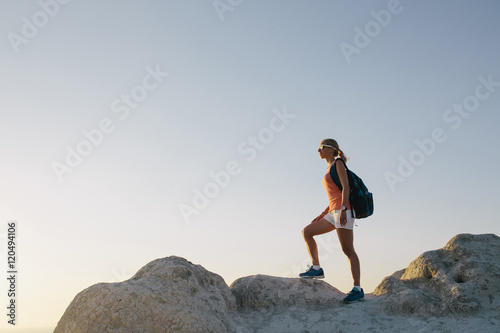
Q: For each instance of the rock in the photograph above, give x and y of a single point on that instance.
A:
(263, 291)
(462, 278)
(453, 289)
(166, 295)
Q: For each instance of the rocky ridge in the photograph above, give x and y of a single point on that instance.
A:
(453, 289)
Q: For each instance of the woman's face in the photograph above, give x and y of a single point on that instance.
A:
(325, 150)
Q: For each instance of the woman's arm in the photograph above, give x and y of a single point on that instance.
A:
(341, 171)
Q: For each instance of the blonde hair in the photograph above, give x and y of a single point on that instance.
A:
(338, 152)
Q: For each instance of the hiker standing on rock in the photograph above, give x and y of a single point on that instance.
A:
(337, 216)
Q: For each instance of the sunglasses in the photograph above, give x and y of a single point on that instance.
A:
(323, 146)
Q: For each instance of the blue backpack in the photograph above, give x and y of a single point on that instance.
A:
(360, 198)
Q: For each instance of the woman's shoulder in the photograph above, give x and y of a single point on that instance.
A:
(340, 164)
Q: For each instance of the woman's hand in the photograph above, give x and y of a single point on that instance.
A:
(343, 218)
(320, 216)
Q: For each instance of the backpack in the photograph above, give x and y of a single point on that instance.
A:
(360, 198)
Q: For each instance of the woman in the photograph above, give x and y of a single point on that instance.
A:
(337, 216)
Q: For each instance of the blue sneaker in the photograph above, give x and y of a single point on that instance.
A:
(312, 273)
(355, 296)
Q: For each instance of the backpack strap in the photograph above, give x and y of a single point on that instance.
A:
(334, 174)
(335, 177)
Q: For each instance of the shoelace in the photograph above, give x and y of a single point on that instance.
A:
(353, 291)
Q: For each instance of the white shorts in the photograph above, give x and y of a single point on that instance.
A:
(334, 218)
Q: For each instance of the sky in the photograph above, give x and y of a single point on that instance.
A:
(137, 130)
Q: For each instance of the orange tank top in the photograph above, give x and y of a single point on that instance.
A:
(334, 193)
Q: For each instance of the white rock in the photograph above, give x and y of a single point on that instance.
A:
(453, 289)
(462, 278)
(263, 291)
(166, 295)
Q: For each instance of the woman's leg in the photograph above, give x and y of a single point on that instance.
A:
(346, 238)
(318, 227)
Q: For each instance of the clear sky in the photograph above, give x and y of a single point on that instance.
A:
(135, 130)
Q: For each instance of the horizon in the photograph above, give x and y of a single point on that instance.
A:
(133, 131)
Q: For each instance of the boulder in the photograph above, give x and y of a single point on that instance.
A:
(456, 288)
(263, 291)
(462, 278)
(166, 295)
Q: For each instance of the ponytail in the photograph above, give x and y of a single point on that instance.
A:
(342, 156)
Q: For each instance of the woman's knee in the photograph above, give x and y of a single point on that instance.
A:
(306, 233)
(348, 251)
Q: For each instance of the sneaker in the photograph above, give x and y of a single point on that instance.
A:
(355, 296)
(312, 273)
